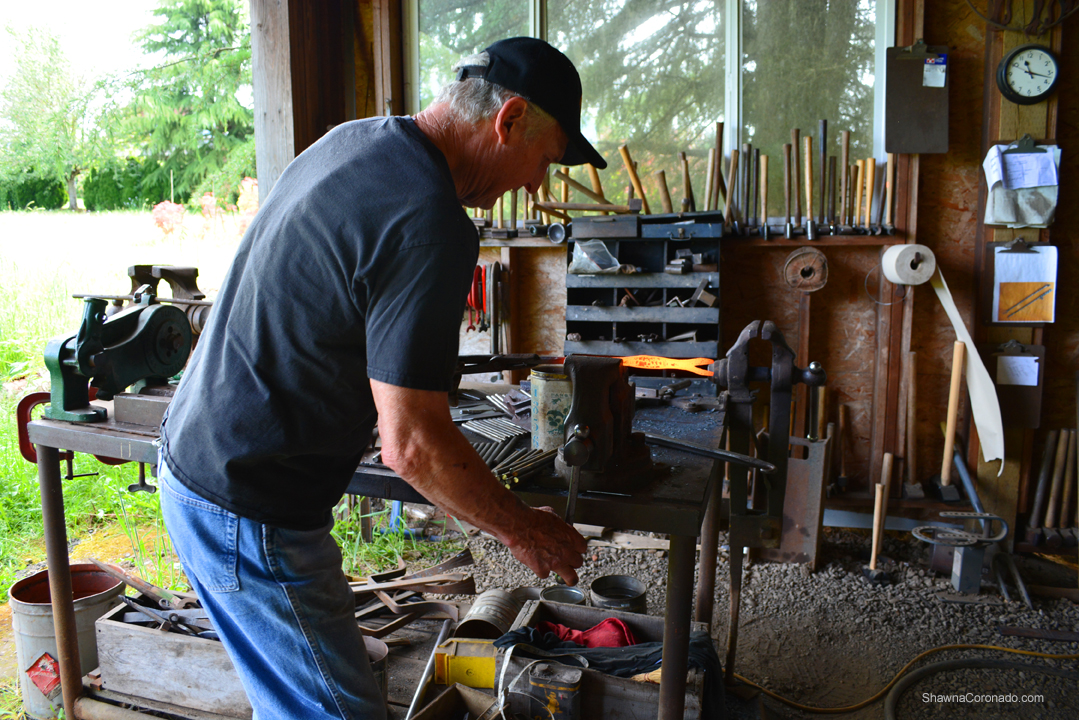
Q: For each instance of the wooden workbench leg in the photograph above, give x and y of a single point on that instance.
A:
(672, 683)
(62, 597)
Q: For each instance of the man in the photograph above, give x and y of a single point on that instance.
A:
(344, 305)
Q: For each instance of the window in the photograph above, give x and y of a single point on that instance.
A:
(659, 74)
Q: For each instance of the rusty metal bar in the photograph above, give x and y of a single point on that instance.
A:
(88, 709)
(59, 569)
(706, 584)
(676, 624)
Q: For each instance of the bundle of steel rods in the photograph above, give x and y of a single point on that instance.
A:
(523, 465)
(493, 453)
(497, 429)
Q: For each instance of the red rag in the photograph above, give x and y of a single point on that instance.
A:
(611, 632)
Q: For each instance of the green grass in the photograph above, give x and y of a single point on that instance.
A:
(44, 258)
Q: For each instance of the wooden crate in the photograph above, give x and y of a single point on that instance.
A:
(603, 696)
(168, 667)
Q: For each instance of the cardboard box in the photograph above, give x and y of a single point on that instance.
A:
(601, 695)
(468, 662)
(454, 702)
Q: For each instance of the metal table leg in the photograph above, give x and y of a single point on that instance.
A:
(706, 584)
(672, 683)
(62, 596)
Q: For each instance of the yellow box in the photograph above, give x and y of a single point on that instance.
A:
(468, 662)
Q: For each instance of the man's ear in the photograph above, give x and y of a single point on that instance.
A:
(509, 122)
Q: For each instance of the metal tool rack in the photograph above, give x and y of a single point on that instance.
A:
(610, 325)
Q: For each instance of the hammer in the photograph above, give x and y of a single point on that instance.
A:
(942, 484)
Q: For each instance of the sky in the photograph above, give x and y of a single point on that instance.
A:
(97, 36)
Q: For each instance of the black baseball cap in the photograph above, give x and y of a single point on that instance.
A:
(540, 74)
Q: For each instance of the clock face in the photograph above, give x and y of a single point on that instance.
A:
(1028, 74)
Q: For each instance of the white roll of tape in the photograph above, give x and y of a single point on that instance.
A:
(908, 264)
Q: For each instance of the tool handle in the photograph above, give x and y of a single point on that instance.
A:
(822, 149)
(796, 134)
(597, 186)
(787, 182)
(844, 418)
(831, 190)
(567, 180)
(886, 480)
(728, 210)
(859, 175)
(912, 418)
(764, 189)
(1037, 510)
(953, 412)
(844, 183)
(870, 181)
(809, 176)
(718, 186)
(889, 189)
(709, 179)
(878, 523)
(623, 150)
(1066, 518)
(664, 192)
(688, 203)
(744, 181)
(1052, 512)
(162, 597)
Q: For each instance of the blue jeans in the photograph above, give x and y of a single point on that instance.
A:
(282, 606)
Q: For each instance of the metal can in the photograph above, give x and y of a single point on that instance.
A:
(552, 393)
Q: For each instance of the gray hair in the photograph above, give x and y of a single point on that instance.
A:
(475, 100)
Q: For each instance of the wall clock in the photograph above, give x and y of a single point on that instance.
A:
(1028, 74)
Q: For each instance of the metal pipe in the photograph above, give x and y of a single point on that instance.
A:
(59, 570)
(709, 551)
(672, 683)
(422, 686)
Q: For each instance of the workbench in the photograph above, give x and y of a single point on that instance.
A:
(675, 503)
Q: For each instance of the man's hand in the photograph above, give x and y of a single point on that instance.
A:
(422, 445)
(550, 545)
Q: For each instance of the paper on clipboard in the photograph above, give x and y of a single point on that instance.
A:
(1017, 370)
(1021, 170)
(1023, 186)
(1024, 285)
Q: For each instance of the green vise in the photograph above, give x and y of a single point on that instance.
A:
(147, 341)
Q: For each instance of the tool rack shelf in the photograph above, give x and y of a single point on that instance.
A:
(599, 308)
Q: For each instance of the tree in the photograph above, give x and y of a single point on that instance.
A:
(46, 128)
(186, 113)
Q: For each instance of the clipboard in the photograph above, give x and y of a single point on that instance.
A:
(1020, 305)
(1019, 375)
(916, 114)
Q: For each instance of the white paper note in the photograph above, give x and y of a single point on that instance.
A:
(1017, 370)
(1021, 170)
(983, 394)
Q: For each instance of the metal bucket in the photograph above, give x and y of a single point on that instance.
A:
(552, 393)
(95, 594)
(491, 616)
(620, 592)
(377, 652)
(563, 594)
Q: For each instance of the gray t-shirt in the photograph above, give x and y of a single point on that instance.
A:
(357, 266)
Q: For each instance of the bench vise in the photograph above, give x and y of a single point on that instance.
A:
(145, 342)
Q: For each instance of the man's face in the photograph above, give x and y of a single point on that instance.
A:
(521, 160)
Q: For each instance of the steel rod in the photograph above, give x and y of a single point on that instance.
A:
(706, 585)
(676, 623)
(59, 571)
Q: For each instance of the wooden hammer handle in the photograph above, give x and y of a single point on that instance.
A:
(664, 191)
(889, 189)
(623, 150)
(870, 181)
(809, 175)
(878, 523)
(953, 412)
(844, 183)
(764, 189)
(787, 181)
(859, 182)
(728, 210)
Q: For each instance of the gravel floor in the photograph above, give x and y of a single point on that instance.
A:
(830, 639)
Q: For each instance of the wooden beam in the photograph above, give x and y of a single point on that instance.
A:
(272, 82)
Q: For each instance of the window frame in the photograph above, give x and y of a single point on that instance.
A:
(732, 102)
